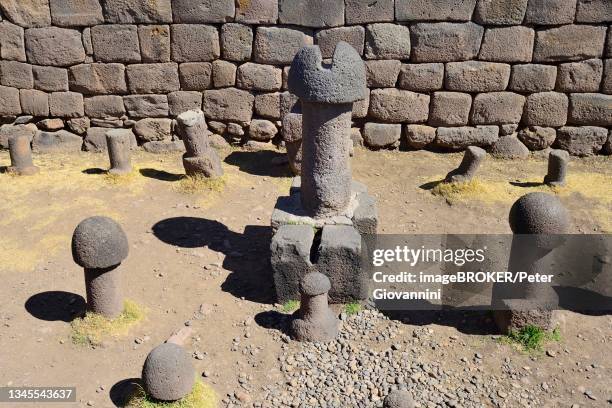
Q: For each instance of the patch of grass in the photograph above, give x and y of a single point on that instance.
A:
(352, 308)
(92, 328)
(121, 179)
(291, 306)
(453, 192)
(531, 338)
(197, 184)
(202, 396)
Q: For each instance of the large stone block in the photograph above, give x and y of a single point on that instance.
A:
(458, 138)
(56, 142)
(203, 11)
(594, 11)
(12, 45)
(262, 130)
(606, 83)
(71, 13)
(590, 109)
(153, 78)
(434, 10)
(311, 13)
(16, 74)
(382, 73)
(421, 77)
(146, 106)
(366, 11)
(149, 129)
(224, 74)
(258, 77)
(54, 46)
(33, 102)
(548, 109)
(183, 101)
(378, 135)
(195, 76)
(537, 137)
(98, 79)
(267, 105)
(443, 42)
(67, 104)
(228, 105)
(104, 106)
(450, 109)
(419, 136)
(507, 44)
(9, 101)
(194, 42)
(27, 13)
(497, 108)
(329, 38)
(583, 76)
(569, 43)
(398, 106)
(387, 41)
(533, 78)
(500, 12)
(50, 79)
(550, 12)
(278, 45)
(477, 76)
(154, 43)
(360, 108)
(137, 11)
(257, 11)
(236, 42)
(608, 46)
(581, 141)
(115, 43)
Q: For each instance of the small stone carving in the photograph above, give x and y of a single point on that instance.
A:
(168, 374)
(201, 158)
(472, 159)
(118, 142)
(557, 168)
(21, 156)
(314, 321)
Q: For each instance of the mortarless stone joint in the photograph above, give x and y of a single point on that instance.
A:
(168, 374)
(557, 168)
(201, 159)
(472, 159)
(314, 321)
(21, 156)
(118, 142)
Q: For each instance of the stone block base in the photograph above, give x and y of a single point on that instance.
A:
(519, 315)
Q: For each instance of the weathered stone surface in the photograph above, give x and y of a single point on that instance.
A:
(434, 10)
(497, 108)
(71, 13)
(56, 142)
(236, 42)
(581, 141)
(195, 76)
(278, 45)
(50, 79)
(104, 106)
(292, 127)
(12, 45)
(35, 103)
(259, 77)
(476, 76)
(146, 106)
(95, 140)
(290, 259)
(54, 46)
(9, 131)
(583, 76)
(382, 73)
(262, 130)
(458, 138)
(365, 11)
(183, 101)
(593, 11)
(548, 109)
(550, 12)
(50, 124)
(148, 129)
(395, 105)
(360, 108)
(443, 42)
(9, 101)
(203, 11)
(108, 122)
(228, 104)
(87, 44)
(224, 74)
(509, 147)
(92, 79)
(387, 41)
(537, 137)
(27, 13)
(194, 42)
(606, 83)
(399, 399)
(607, 149)
(153, 78)
(500, 12)
(608, 46)
(377, 135)
(590, 109)
(311, 13)
(66, 104)
(168, 372)
(257, 11)
(421, 77)
(419, 136)
(79, 125)
(329, 38)
(507, 44)
(267, 105)
(115, 43)
(137, 11)
(450, 109)
(164, 147)
(16, 74)
(533, 78)
(154, 43)
(569, 43)
(290, 103)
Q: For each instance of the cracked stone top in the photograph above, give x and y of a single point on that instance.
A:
(191, 118)
(314, 284)
(539, 213)
(99, 242)
(342, 81)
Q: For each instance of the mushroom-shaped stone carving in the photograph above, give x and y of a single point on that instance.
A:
(557, 168)
(472, 159)
(118, 143)
(538, 213)
(99, 245)
(398, 399)
(168, 374)
(314, 321)
(201, 158)
(21, 156)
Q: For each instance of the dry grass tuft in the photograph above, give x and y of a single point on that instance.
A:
(92, 328)
(198, 184)
(202, 396)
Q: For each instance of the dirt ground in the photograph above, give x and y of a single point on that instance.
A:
(207, 251)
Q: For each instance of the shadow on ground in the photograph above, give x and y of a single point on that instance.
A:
(56, 306)
(259, 163)
(121, 392)
(94, 171)
(271, 319)
(526, 184)
(161, 175)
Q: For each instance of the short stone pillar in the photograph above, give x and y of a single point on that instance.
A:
(557, 168)
(292, 136)
(472, 159)
(201, 159)
(398, 399)
(99, 245)
(21, 156)
(314, 321)
(327, 94)
(118, 143)
(168, 373)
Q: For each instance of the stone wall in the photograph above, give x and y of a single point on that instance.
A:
(443, 74)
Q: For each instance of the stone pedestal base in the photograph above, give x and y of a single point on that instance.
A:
(520, 315)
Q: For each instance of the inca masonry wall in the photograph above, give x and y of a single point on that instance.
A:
(443, 74)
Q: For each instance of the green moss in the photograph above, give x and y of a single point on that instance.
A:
(531, 338)
(352, 308)
(92, 328)
(202, 396)
(291, 306)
